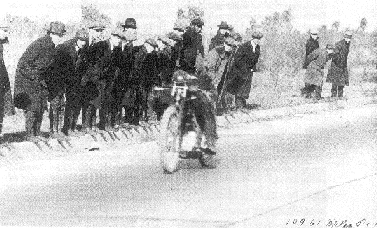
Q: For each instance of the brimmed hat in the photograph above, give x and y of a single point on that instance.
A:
(314, 31)
(96, 25)
(348, 34)
(198, 22)
(56, 27)
(257, 35)
(116, 31)
(130, 23)
(166, 40)
(82, 34)
(223, 25)
(330, 46)
(151, 42)
(174, 36)
(179, 26)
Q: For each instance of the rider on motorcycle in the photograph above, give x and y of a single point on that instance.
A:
(202, 106)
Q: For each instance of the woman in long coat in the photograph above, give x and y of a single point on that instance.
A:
(314, 73)
(338, 72)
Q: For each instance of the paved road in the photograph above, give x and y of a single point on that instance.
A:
(321, 168)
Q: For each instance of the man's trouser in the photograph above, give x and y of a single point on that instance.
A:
(2, 106)
(72, 111)
(337, 91)
(56, 111)
(33, 118)
(89, 114)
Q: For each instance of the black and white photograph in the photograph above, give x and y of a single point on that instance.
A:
(188, 113)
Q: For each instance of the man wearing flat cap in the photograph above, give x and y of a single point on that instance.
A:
(192, 46)
(73, 58)
(4, 78)
(314, 70)
(30, 89)
(311, 45)
(222, 33)
(338, 72)
(241, 71)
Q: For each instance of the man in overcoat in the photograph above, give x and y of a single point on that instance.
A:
(311, 44)
(4, 78)
(192, 46)
(90, 80)
(219, 38)
(338, 72)
(131, 97)
(73, 57)
(30, 89)
(241, 71)
(314, 71)
(147, 74)
(111, 63)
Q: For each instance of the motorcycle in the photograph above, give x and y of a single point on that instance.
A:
(180, 119)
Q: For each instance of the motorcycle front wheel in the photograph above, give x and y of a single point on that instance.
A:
(168, 140)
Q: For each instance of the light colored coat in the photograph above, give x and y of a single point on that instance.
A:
(316, 62)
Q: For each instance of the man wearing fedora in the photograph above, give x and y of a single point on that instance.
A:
(222, 33)
(4, 78)
(192, 46)
(90, 80)
(311, 45)
(73, 58)
(241, 71)
(131, 85)
(30, 89)
(338, 72)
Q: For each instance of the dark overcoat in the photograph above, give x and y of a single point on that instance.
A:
(217, 40)
(33, 63)
(4, 78)
(310, 46)
(338, 72)
(95, 69)
(240, 74)
(191, 46)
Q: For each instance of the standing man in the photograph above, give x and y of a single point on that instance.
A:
(241, 71)
(314, 73)
(91, 91)
(111, 68)
(311, 45)
(30, 89)
(4, 79)
(338, 72)
(74, 58)
(192, 46)
(222, 33)
(131, 100)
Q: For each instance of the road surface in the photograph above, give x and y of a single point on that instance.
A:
(319, 169)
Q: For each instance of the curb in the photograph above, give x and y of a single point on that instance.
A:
(12, 153)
